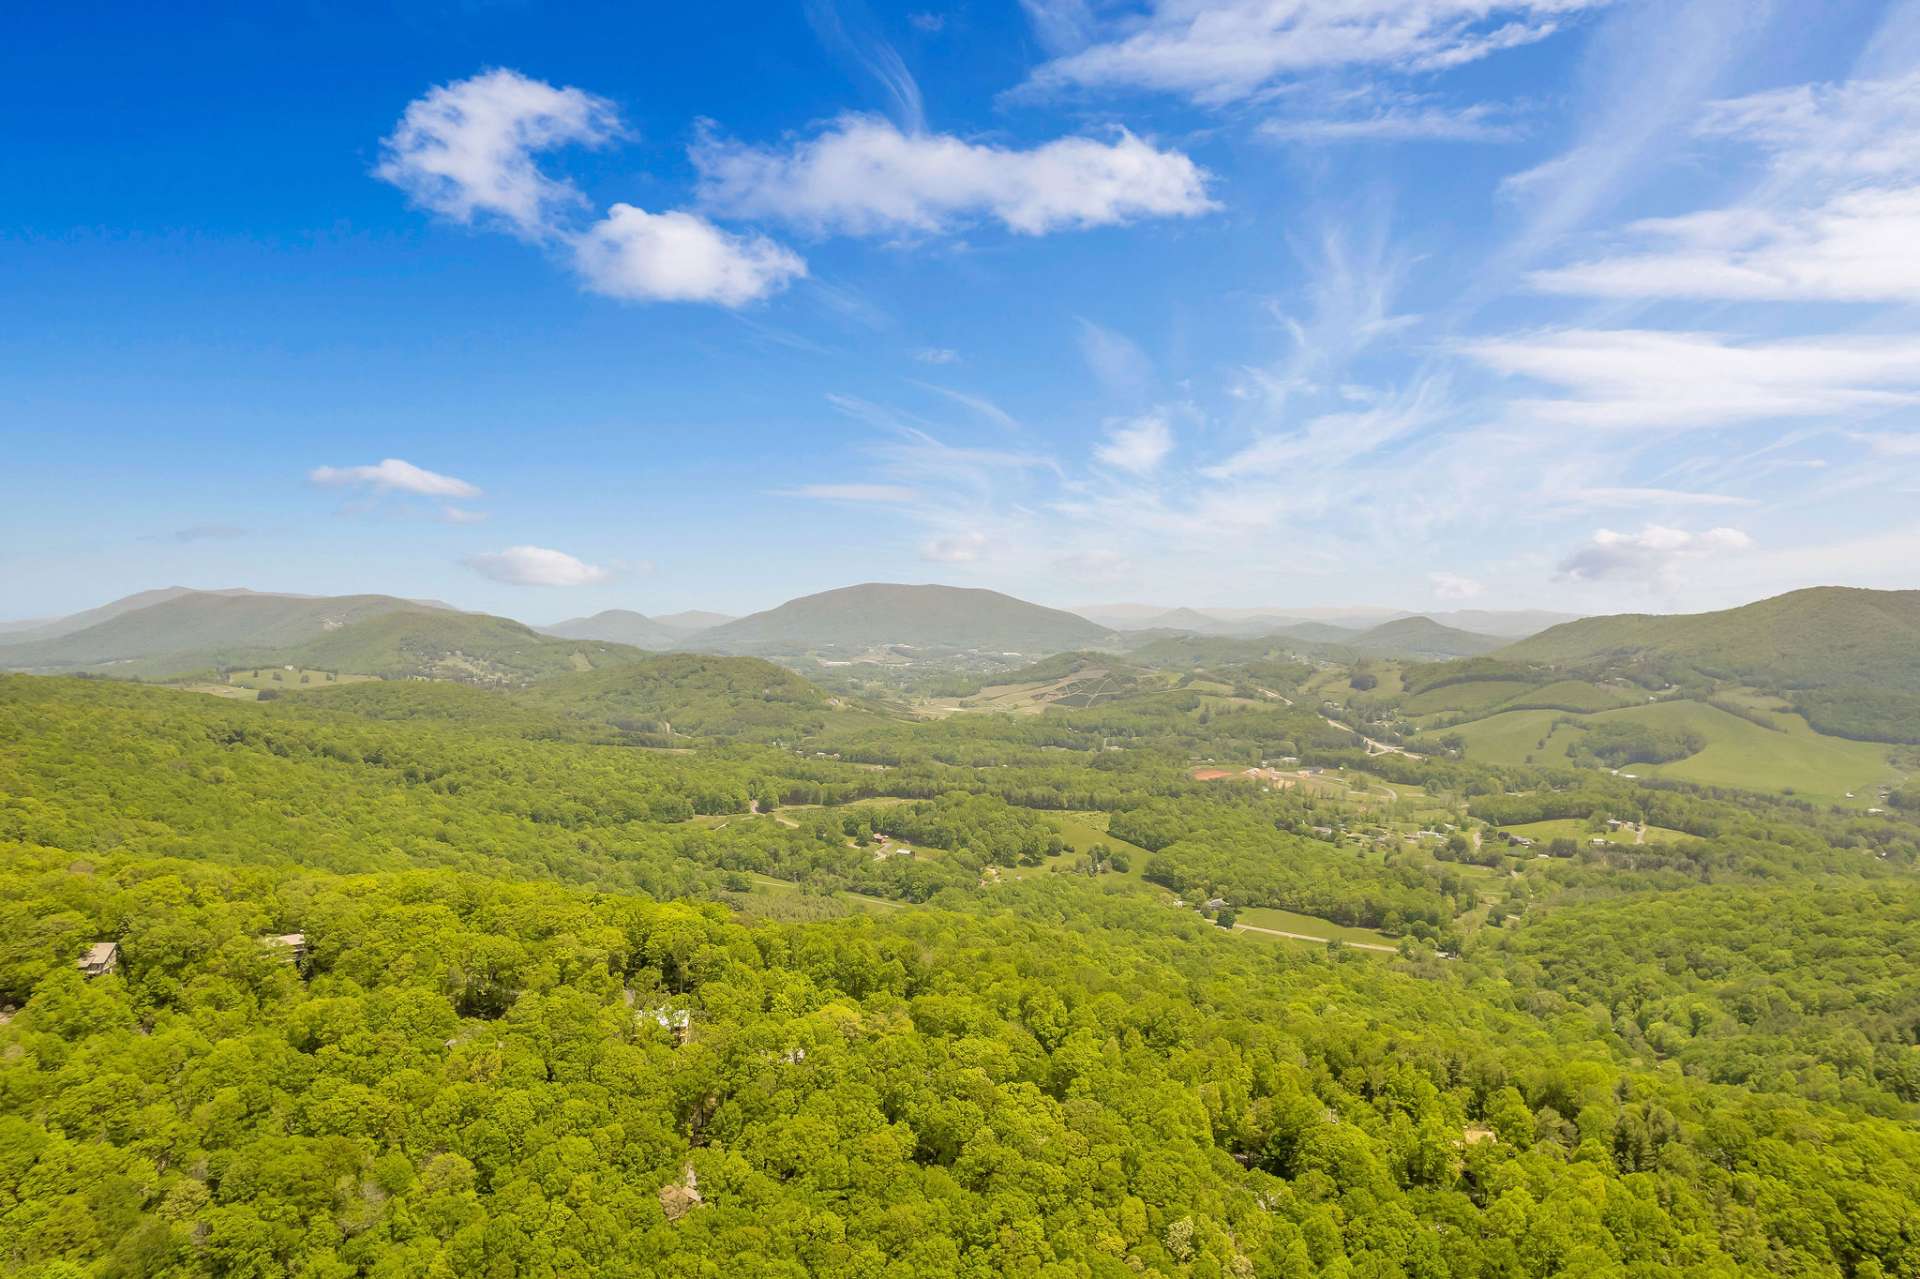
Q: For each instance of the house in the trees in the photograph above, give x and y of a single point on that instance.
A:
(101, 958)
(290, 948)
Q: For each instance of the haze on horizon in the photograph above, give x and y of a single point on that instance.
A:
(1404, 304)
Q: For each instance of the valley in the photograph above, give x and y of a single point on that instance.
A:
(1305, 919)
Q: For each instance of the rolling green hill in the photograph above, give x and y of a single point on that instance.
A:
(619, 626)
(934, 617)
(190, 630)
(471, 648)
(1850, 658)
(1822, 637)
(1421, 637)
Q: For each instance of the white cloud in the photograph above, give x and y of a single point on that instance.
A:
(1854, 247)
(937, 355)
(928, 22)
(1889, 443)
(1478, 123)
(864, 176)
(1656, 553)
(1121, 367)
(467, 148)
(1834, 220)
(1597, 496)
(1453, 586)
(393, 476)
(954, 548)
(679, 257)
(461, 515)
(1646, 378)
(1226, 50)
(853, 492)
(978, 403)
(535, 566)
(1138, 445)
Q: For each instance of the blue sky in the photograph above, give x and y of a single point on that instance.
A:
(1433, 303)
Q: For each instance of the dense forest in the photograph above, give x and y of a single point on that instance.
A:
(686, 969)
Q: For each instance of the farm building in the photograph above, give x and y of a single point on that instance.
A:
(101, 958)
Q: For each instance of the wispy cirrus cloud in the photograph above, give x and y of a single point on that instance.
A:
(1638, 378)
(889, 493)
(1833, 220)
(1229, 50)
(1398, 122)
(535, 566)
(392, 475)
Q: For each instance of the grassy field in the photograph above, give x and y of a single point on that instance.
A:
(1470, 695)
(289, 681)
(1577, 831)
(1082, 831)
(1738, 753)
(1577, 694)
(1287, 921)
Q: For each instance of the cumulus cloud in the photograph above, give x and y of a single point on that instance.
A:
(1654, 554)
(1453, 586)
(862, 175)
(1138, 445)
(535, 566)
(853, 492)
(679, 257)
(1228, 50)
(467, 150)
(391, 475)
(1645, 378)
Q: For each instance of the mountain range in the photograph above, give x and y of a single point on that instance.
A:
(1828, 641)
(1340, 623)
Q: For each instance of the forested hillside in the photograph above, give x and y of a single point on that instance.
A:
(828, 988)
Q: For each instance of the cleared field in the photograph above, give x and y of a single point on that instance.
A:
(1082, 831)
(1743, 754)
(1082, 688)
(1578, 832)
(1514, 737)
(1577, 694)
(1471, 695)
(1738, 753)
(1287, 921)
(279, 677)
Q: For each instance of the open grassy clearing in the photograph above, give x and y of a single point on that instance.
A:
(1288, 921)
(1081, 831)
(1577, 694)
(289, 679)
(1579, 832)
(1469, 695)
(1738, 753)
